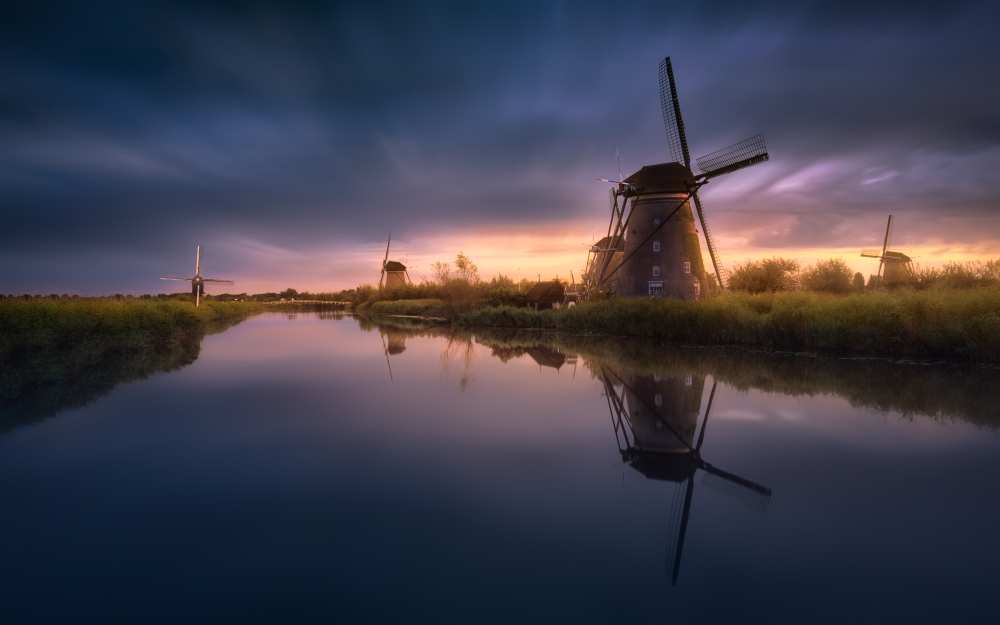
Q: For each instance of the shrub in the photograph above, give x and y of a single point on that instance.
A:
(828, 276)
(768, 275)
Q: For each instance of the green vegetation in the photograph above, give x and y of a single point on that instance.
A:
(764, 276)
(937, 323)
(58, 353)
(429, 307)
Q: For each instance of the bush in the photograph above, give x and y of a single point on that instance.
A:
(828, 276)
(764, 276)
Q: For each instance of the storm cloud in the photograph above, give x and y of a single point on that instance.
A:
(128, 131)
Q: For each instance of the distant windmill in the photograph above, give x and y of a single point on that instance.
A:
(651, 247)
(654, 421)
(197, 280)
(393, 272)
(893, 267)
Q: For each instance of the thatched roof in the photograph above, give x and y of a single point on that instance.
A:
(664, 177)
(394, 265)
(608, 243)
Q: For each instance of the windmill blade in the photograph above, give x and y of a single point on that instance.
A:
(217, 281)
(870, 253)
(197, 296)
(385, 350)
(885, 246)
(736, 479)
(739, 155)
(708, 240)
(685, 515)
(176, 278)
(618, 157)
(673, 123)
(385, 259)
(197, 260)
(885, 243)
(708, 409)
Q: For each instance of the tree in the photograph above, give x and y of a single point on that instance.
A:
(442, 272)
(466, 269)
(858, 284)
(828, 276)
(768, 275)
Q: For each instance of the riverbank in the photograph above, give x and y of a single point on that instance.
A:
(60, 353)
(955, 324)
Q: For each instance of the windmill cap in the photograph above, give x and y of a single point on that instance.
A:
(607, 243)
(662, 178)
(394, 265)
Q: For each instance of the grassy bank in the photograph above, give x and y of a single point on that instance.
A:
(939, 323)
(61, 353)
(429, 307)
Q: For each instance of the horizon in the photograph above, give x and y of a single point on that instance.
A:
(289, 142)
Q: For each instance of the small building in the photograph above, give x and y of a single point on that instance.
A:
(395, 274)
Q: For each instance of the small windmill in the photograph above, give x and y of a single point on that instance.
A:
(197, 280)
(893, 267)
(651, 219)
(654, 443)
(393, 272)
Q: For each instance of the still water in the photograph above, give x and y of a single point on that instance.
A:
(320, 468)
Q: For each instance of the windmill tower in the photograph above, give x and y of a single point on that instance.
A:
(651, 213)
(894, 268)
(197, 280)
(393, 272)
(655, 421)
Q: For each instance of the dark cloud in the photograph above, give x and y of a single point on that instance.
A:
(127, 129)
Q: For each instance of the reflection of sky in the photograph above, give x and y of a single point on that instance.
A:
(290, 139)
(284, 466)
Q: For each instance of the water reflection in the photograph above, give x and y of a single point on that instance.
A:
(654, 419)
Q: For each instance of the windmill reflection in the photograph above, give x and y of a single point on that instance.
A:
(655, 420)
(393, 344)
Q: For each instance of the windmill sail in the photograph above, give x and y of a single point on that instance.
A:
(745, 153)
(385, 259)
(673, 123)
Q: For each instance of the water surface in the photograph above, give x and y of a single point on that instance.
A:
(321, 468)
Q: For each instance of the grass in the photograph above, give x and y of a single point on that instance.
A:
(428, 307)
(59, 353)
(937, 323)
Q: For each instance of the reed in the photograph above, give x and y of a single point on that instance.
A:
(959, 324)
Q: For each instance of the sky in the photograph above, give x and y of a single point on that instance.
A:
(289, 139)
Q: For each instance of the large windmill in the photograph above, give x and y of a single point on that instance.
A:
(197, 280)
(393, 272)
(654, 421)
(652, 245)
(893, 267)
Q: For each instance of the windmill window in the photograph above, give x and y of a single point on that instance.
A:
(686, 266)
(656, 271)
(656, 247)
(656, 288)
(658, 400)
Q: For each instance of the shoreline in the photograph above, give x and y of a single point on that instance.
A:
(947, 325)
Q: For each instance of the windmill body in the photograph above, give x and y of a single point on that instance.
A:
(197, 280)
(661, 241)
(651, 213)
(395, 274)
